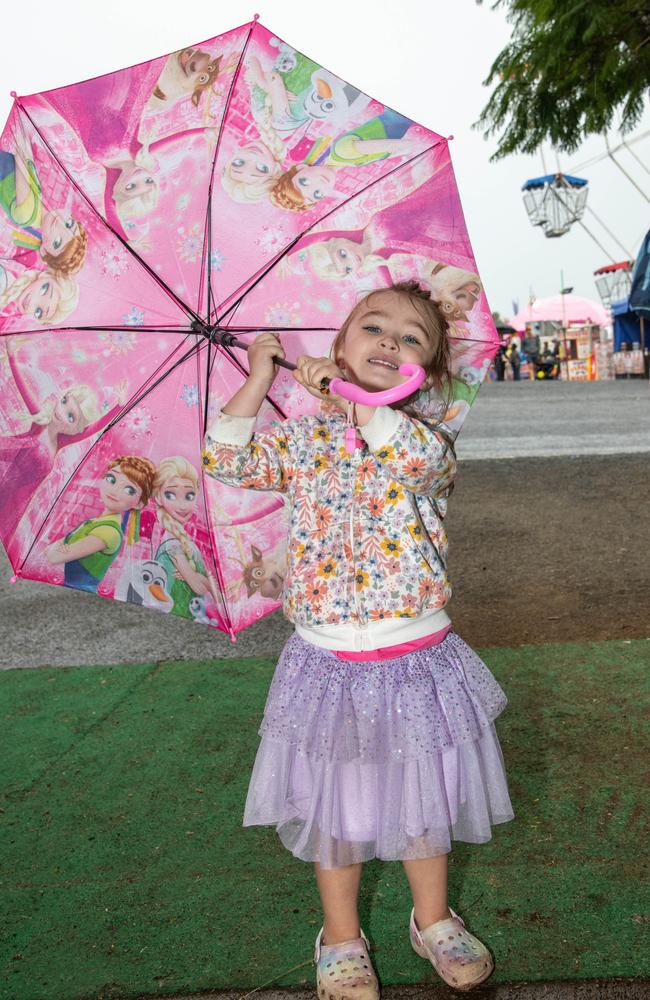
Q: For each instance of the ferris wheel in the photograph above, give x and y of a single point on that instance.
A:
(555, 202)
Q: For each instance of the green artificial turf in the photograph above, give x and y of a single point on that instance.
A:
(126, 872)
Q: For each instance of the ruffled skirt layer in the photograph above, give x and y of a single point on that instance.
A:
(391, 759)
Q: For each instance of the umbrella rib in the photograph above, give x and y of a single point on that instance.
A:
(136, 256)
(208, 226)
(96, 329)
(138, 396)
(213, 545)
(266, 268)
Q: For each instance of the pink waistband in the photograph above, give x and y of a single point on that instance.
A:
(390, 652)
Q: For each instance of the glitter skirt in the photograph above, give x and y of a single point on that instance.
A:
(389, 759)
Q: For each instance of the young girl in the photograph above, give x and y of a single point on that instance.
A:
(378, 737)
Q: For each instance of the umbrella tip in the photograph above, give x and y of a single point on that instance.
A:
(12, 93)
(256, 17)
(450, 137)
(13, 578)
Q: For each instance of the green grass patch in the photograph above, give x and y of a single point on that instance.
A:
(125, 869)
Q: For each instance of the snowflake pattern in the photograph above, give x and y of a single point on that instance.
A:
(283, 314)
(190, 395)
(134, 318)
(217, 260)
(190, 243)
(138, 421)
(272, 241)
(114, 263)
(120, 341)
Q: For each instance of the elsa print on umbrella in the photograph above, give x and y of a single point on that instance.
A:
(70, 416)
(176, 492)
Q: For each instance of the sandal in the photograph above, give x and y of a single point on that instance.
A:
(344, 971)
(458, 957)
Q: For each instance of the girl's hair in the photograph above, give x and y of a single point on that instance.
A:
(71, 258)
(178, 466)
(139, 470)
(68, 298)
(86, 401)
(284, 195)
(435, 322)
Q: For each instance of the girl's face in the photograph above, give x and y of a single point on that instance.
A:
(67, 418)
(118, 492)
(178, 497)
(266, 580)
(347, 257)
(57, 230)
(314, 183)
(133, 182)
(253, 165)
(40, 298)
(385, 332)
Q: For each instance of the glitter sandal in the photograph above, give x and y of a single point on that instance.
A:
(458, 957)
(344, 971)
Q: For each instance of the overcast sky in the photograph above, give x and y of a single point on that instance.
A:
(426, 58)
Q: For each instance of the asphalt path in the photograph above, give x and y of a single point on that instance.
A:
(524, 423)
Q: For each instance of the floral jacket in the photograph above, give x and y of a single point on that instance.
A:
(366, 541)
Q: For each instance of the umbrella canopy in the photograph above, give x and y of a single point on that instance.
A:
(235, 186)
(561, 309)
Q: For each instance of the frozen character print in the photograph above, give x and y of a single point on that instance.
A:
(298, 92)
(47, 297)
(309, 181)
(146, 584)
(176, 493)
(190, 73)
(88, 551)
(51, 233)
(27, 458)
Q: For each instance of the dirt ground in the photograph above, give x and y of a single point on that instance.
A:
(551, 550)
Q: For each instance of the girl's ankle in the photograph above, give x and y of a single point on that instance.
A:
(339, 934)
(425, 918)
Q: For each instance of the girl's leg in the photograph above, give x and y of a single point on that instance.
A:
(339, 891)
(428, 880)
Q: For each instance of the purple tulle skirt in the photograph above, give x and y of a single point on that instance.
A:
(389, 759)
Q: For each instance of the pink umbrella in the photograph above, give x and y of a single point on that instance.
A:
(565, 309)
(231, 187)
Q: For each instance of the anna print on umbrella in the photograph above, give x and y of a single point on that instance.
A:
(378, 735)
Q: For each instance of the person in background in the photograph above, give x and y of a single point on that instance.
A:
(514, 357)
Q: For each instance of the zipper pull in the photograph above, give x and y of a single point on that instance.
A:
(350, 432)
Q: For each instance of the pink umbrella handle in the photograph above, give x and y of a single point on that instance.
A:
(356, 394)
(416, 375)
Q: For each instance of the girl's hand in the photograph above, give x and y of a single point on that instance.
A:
(261, 352)
(309, 373)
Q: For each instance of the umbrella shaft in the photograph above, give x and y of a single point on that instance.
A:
(228, 340)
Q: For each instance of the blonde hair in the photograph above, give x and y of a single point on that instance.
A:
(178, 466)
(438, 370)
(71, 258)
(241, 191)
(68, 297)
(85, 399)
(141, 204)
